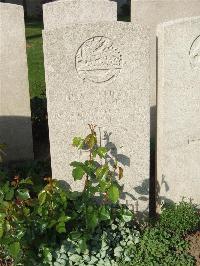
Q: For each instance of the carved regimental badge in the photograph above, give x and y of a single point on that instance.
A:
(98, 60)
(195, 53)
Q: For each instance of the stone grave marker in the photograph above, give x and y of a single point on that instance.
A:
(151, 13)
(60, 13)
(99, 74)
(15, 115)
(178, 140)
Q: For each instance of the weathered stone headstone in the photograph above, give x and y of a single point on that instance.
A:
(178, 140)
(99, 74)
(15, 116)
(151, 13)
(60, 13)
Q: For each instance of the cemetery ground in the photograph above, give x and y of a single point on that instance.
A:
(44, 224)
(37, 88)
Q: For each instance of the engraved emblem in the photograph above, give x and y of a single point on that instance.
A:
(195, 53)
(98, 60)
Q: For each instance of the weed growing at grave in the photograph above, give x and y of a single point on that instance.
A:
(44, 223)
(180, 218)
(32, 215)
(159, 247)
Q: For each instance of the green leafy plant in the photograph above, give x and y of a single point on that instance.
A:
(42, 223)
(101, 180)
(109, 244)
(160, 247)
(34, 214)
(180, 218)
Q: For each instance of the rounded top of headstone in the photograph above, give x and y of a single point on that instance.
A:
(60, 13)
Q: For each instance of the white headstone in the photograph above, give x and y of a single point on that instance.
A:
(99, 74)
(178, 139)
(60, 13)
(15, 115)
(151, 13)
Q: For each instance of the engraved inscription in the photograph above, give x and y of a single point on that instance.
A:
(98, 60)
(192, 140)
(195, 53)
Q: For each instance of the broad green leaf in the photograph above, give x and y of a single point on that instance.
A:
(60, 228)
(10, 194)
(2, 216)
(75, 235)
(64, 218)
(23, 194)
(1, 195)
(20, 233)
(82, 244)
(127, 215)
(104, 185)
(90, 168)
(27, 181)
(26, 211)
(102, 151)
(78, 173)
(6, 187)
(91, 140)
(113, 193)
(14, 249)
(1, 229)
(7, 226)
(73, 195)
(78, 142)
(102, 172)
(75, 164)
(118, 251)
(104, 213)
(47, 255)
(52, 223)
(92, 218)
(42, 197)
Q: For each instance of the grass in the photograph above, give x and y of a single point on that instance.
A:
(35, 59)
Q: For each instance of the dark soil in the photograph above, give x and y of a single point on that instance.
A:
(194, 240)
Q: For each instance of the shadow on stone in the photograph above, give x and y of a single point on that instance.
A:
(16, 134)
(40, 128)
(121, 158)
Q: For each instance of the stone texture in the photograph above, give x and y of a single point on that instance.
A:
(60, 13)
(178, 143)
(99, 74)
(15, 122)
(151, 13)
